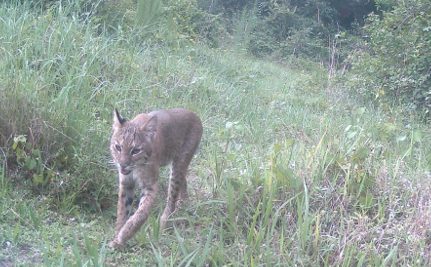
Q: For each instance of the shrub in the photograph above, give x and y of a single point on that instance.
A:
(184, 19)
(393, 66)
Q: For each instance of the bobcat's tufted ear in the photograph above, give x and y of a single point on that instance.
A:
(150, 128)
(118, 120)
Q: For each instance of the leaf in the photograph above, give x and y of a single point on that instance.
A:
(417, 136)
(230, 156)
(19, 153)
(367, 200)
(288, 172)
(401, 138)
(363, 152)
(16, 230)
(239, 127)
(27, 146)
(360, 111)
(350, 135)
(277, 148)
(36, 152)
(38, 179)
(296, 182)
(289, 142)
(30, 163)
(284, 172)
(19, 139)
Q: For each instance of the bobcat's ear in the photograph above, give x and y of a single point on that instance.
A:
(118, 120)
(150, 128)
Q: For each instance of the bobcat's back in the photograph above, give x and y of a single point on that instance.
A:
(157, 136)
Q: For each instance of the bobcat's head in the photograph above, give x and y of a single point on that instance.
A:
(132, 141)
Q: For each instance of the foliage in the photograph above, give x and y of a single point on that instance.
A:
(394, 65)
(284, 31)
(160, 21)
(185, 19)
(290, 28)
(110, 15)
(31, 159)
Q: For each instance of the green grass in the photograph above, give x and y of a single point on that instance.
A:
(290, 172)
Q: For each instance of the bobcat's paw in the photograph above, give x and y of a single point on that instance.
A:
(115, 244)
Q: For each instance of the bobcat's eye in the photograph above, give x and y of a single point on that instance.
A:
(135, 151)
(118, 148)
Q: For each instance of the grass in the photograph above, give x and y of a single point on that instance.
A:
(290, 172)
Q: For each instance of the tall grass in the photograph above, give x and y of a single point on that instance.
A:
(288, 174)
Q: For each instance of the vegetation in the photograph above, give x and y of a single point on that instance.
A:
(306, 159)
(395, 59)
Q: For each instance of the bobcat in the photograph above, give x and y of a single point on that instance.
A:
(139, 147)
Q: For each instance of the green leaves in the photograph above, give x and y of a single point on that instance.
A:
(30, 159)
(30, 163)
(394, 66)
(416, 136)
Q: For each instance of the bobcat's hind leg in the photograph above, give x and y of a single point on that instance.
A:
(177, 188)
(183, 190)
(177, 181)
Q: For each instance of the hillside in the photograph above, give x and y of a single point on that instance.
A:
(294, 167)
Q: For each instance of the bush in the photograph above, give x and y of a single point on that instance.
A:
(393, 66)
(283, 31)
(278, 30)
(184, 19)
(289, 28)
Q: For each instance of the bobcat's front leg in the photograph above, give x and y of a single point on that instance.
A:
(125, 200)
(134, 223)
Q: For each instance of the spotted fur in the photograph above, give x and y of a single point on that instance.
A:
(139, 148)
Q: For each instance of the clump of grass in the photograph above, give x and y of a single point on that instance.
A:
(52, 68)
